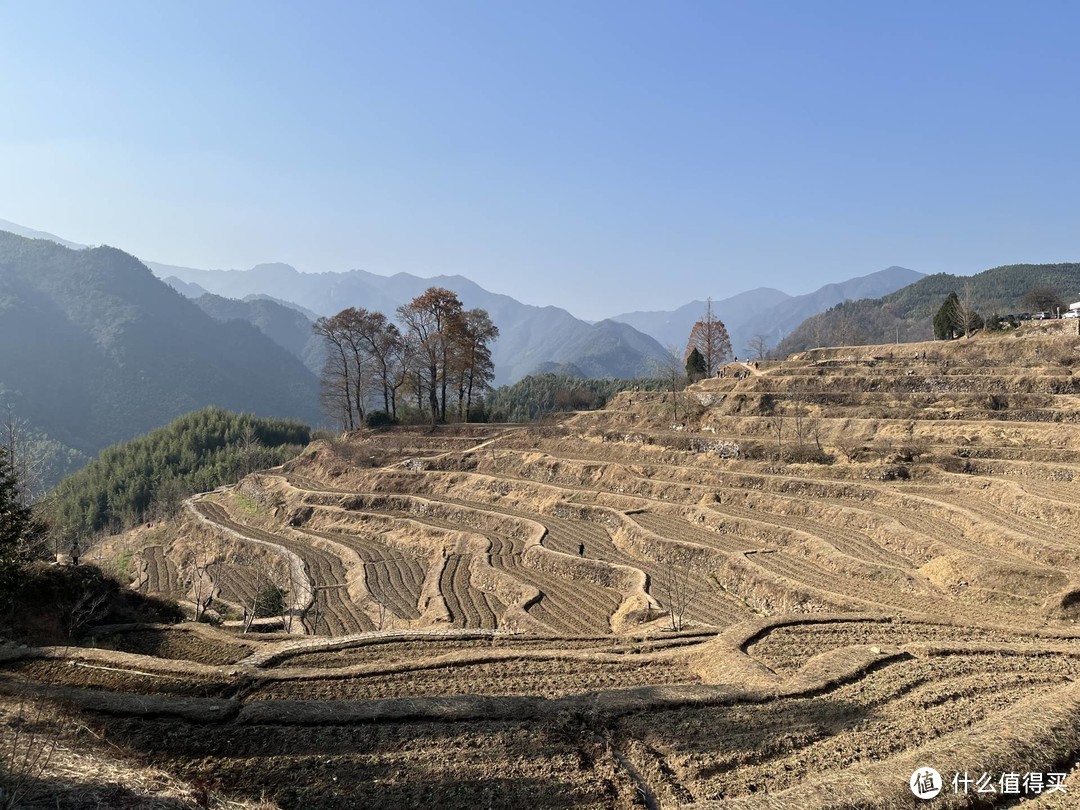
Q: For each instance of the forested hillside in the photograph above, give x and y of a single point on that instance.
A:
(536, 395)
(909, 312)
(288, 328)
(152, 474)
(97, 350)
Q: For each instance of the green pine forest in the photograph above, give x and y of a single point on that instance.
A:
(151, 475)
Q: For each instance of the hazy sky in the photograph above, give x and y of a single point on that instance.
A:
(601, 156)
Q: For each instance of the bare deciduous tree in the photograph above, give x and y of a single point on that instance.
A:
(86, 607)
(1042, 299)
(441, 346)
(776, 426)
(472, 335)
(194, 570)
(267, 597)
(678, 587)
(759, 346)
(710, 337)
(799, 418)
(337, 378)
(430, 317)
(851, 446)
(670, 367)
(30, 735)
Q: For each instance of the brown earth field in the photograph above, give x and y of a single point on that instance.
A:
(791, 586)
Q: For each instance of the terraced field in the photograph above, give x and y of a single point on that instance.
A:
(157, 573)
(826, 574)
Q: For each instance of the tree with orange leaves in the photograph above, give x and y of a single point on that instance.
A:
(710, 337)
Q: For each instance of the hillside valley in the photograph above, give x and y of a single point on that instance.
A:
(106, 352)
(797, 581)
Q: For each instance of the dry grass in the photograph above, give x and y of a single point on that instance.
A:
(55, 757)
(905, 594)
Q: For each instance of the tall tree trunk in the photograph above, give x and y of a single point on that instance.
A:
(442, 403)
(433, 395)
(348, 389)
(468, 399)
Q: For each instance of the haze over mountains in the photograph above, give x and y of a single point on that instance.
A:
(530, 337)
(109, 351)
(98, 350)
(766, 311)
(30, 233)
(533, 339)
(543, 338)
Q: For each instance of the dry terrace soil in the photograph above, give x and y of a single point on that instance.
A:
(874, 559)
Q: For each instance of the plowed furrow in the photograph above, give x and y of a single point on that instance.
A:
(771, 746)
(1065, 492)
(1058, 537)
(235, 583)
(803, 571)
(394, 579)
(846, 541)
(787, 648)
(973, 509)
(711, 605)
(679, 529)
(564, 597)
(337, 612)
(467, 606)
(162, 575)
(572, 607)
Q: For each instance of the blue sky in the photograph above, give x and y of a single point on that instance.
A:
(600, 156)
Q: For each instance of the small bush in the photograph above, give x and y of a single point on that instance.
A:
(379, 419)
(890, 472)
(478, 413)
(956, 464)
(910, 452)
(269, 602)
(808, 454)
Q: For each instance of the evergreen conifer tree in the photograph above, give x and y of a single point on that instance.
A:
(695, 365)
(948, 319)
(17, 526)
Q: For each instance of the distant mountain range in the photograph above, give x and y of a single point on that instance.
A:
(531, 338)
(97, 350)
(30, 233)
(765, 311)
(111, 351)
(672, 327)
